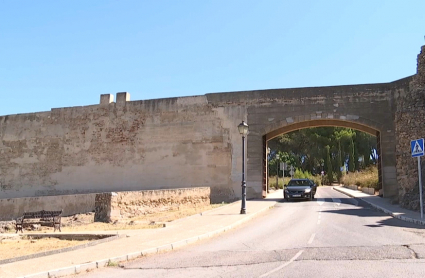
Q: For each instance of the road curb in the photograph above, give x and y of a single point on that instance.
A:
(384, 210)
(77, 269)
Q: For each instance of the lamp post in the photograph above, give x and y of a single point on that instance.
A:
(277, 171)
(268, 170)
(243, 130)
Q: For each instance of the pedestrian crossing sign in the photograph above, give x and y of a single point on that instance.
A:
(417, 147)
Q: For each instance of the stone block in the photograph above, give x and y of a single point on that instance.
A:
(106, 99)
(62, 272)
(123, 97)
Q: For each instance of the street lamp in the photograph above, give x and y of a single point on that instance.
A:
(243, 130)
(277, 171)
(268, 170)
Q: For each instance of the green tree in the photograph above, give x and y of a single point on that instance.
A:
(306, 148)
(328, 165)
(351, 159)
(339, 164)
(356, 155)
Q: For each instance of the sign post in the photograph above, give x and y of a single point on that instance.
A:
(417, 147)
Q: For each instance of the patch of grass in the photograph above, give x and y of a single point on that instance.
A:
(112, 264)
(366, 178)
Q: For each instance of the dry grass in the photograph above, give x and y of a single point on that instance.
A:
(366, 178)
(10, 248)
(282, 181)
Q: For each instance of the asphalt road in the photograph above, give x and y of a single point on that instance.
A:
(332, 236)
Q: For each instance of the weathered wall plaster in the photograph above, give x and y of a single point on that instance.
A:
(13, 208)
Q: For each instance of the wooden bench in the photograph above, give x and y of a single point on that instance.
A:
(43, 217)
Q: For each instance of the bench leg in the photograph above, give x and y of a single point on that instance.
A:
(18, 228)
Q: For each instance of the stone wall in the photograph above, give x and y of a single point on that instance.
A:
(125, 205)
(123, 146)
(70, 204)
(410, 119)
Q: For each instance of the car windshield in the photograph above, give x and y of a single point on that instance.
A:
(299, 183)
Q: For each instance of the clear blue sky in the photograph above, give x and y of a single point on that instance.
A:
(66, 53)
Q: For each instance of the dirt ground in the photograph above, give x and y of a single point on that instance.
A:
(21, 246)
(15, 246)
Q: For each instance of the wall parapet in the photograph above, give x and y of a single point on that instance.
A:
(113, 206)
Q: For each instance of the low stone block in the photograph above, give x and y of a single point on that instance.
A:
(134, 255)
(62, 272)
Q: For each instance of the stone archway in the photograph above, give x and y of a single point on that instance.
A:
(320, 123)
(269, 121)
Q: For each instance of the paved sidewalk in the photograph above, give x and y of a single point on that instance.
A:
(137, 243)
(384, 205)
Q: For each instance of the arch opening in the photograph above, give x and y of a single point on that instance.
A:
(319, 123)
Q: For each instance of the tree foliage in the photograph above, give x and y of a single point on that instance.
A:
(324, 148)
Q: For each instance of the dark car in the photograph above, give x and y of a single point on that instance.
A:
(299, 189)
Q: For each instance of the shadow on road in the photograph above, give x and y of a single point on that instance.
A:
(365, 210)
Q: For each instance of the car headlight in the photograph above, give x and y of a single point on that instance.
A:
(308, 190)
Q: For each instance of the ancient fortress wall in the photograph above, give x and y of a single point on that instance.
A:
(410, 125)
(189, 142)
(121, 146)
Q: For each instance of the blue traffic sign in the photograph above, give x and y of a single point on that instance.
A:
(417, 147)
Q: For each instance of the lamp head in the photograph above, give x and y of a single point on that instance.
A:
(243, 128)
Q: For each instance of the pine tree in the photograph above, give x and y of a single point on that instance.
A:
(339, 163)
(328, 165)
(351, 165)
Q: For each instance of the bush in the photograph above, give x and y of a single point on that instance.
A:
(282, 181)
(366, 178)
(317, 180)
(300, 174)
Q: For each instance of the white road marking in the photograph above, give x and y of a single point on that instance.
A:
(282, 266)
(320, 216)
(318, 222)
(320, 201)
(336, 201)
(310, 241)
